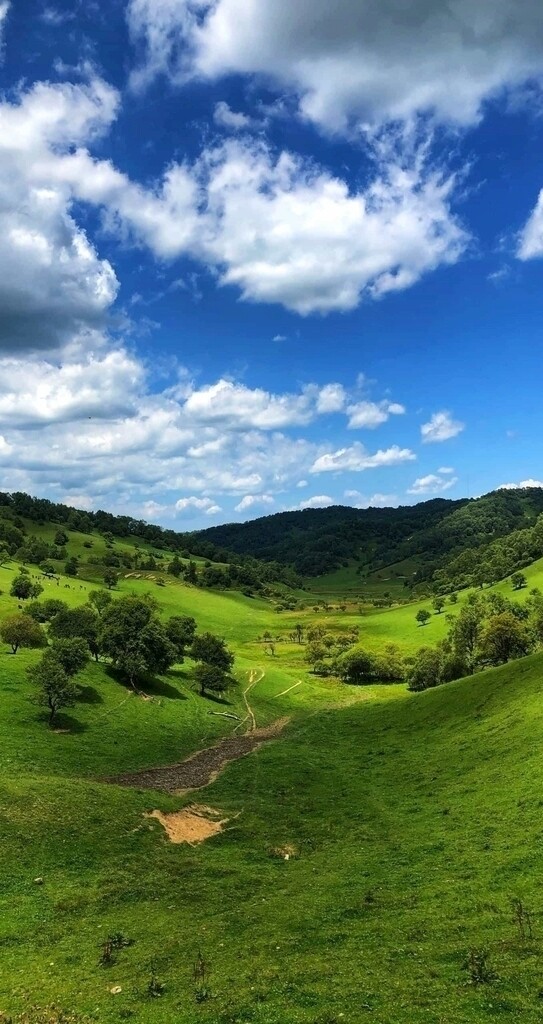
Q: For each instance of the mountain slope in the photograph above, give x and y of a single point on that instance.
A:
(317, 541)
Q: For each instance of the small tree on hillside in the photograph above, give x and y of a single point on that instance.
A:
(71, 654)
(209, 677)
(82, 622)
(298, 632)
(22, 631)
(71, 567)
(423, 616)
(110, 578)
(518, 579)
(503, 638)
(180, 630)
(55, 689)
(131, 634)
(438, 604)
(21, 587)
(47, 569)
(212, 651)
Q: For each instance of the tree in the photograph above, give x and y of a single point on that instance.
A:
(175, 567)
(110, 578)
(61, 538)
(47, 568)
(453, 598)
(43, 611)
(180, 630)
(4, 554)
(423, 616)
(36, 589)
(503, 638)
(518, 579)
(426, 669)
(71, 654)
(209, 677)
(315, 653)
(71, 567)
(191, 574)
(438, 604)
(82, 622)
(100, 599)
(357, 668)
(131, 634)
(298, 632)
(212, 651)
(22, 631)
(55, 689)
(465, 632)
(21, 587)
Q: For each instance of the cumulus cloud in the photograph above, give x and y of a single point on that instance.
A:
(331, 398)
(234, 120)
(441, 427)
(355, 458)
(194, 504)
(351, 61)
(434, 483)
(372, 414)
(520, 486)
(378, 500)
(318, 501)
(530, 242)
(250, 500)
(240, 208)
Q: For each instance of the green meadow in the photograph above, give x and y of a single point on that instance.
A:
(366, 870)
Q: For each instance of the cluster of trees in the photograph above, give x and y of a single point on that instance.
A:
(488, 630)
(324, 648)
(128, 632)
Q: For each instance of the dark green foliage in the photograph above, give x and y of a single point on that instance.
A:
(55, 688)
(22, 631)
(132, 635)
(100, 599)
(71, 654)
(210, 678)
(423, 616)
(22, 588)
(70, 569)
(181, 630)
(44, 611)
(80, 622)
(213, 651)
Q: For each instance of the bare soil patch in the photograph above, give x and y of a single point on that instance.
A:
(192, 825)
(203, 767)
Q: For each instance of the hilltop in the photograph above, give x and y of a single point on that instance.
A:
(426, 537)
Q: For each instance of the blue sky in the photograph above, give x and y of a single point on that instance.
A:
(259, 256)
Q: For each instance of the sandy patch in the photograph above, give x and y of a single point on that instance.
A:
(192, 825)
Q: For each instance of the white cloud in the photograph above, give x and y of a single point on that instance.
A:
(279, 337)
(318, 501)
(441, 427)
(4, 8)
(331, 398)
(195, 504)
(372, 414)
(353, 60)
(356, 458)
(432, 484)
(301, 483)
(234, 403)
(250, 500)
(523, 484)
(373, 501)
(445, 469)
(530, 242)
(225, 117)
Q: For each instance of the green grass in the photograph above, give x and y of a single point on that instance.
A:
(416, 819)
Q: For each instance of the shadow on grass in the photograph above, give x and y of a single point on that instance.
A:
(216, 700)
(152, 685)
(67, 724)
(88, 695)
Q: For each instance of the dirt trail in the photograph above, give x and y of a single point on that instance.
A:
(203, 767)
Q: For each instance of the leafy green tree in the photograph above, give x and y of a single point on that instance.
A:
(209, 677)
(36, 589)
(82, 622)
(21, 587)
(181, 630)
(175, 567)
(131, 634)
(357, 668)
(4, 554)
(465, 633)
(43, 611)
(212, 651)
(518, 579)
(72, 654)
(315, 653)
(438, 604)
(191, 573)
(55, 689)
(426, 669)
(47, 568)
(298, 632)
(110, 578)
(453, 598)
(504, 637)
(22, 631)
(423, 616)
(71, 567)
(100, 599)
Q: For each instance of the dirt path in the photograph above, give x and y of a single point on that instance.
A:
(202, 768)
(254, 676)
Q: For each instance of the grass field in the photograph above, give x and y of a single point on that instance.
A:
(413, 822)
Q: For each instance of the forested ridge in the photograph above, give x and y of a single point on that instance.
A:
(451, 541)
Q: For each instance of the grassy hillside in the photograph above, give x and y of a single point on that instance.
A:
(412, 821)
